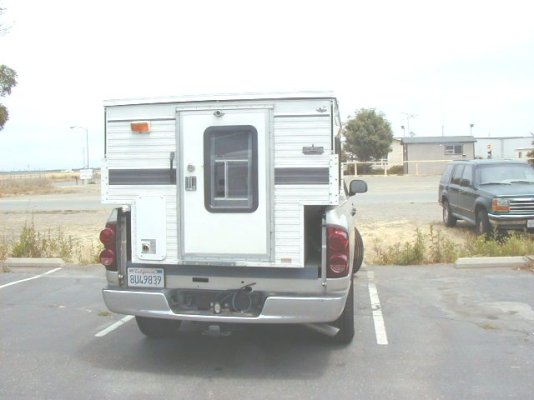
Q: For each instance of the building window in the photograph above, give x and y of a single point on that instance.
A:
(454, 149)
(231, 169)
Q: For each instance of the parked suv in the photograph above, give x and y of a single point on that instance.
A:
(488, 194)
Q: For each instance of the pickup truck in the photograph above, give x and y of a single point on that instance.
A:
(230, 209)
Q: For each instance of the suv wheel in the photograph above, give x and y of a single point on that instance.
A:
(448, 218)
(482, 222)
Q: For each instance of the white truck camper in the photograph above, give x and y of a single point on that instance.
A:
(229, 209)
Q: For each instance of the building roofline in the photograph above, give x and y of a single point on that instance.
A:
(504, 137)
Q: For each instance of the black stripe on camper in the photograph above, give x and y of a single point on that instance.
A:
(301, 176)
(142, 177)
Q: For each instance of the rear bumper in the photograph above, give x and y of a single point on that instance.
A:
(276, 309)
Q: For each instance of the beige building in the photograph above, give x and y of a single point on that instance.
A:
(395, 156)
(429, 155)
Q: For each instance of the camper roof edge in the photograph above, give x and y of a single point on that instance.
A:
(223, 97)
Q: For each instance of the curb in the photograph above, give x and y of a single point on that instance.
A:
(493, 262)
(34, 262)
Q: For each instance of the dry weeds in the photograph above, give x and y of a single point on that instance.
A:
(22, 186)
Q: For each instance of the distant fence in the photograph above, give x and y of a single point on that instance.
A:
(351, 167)
(19, 176)
(52, 175)
(382, 167)
(421, 167)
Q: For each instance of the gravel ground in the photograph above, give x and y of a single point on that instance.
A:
(74, 211)
(396, 206)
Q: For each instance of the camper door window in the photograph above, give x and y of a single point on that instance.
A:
(231, 168)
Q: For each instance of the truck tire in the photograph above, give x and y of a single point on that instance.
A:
(358, 252)
(345, 322)
(448, 218)
(483, 225)
(157, 327)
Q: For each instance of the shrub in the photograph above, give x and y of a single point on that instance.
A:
(32, 243)
(4, 248)
(35, 244)
(403, 254)
(396, 170)
(363, 169)
(499, 245)
(434, 248)
(19, 186)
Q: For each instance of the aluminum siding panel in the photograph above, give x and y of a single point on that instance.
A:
(127, 150)
(293, 133)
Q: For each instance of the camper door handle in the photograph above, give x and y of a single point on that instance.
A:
(353, 212)
(190, 183)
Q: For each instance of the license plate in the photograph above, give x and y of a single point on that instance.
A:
(530, 223)
(146, 277)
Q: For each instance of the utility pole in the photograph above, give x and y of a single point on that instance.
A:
(86, 164)
(86, 174)
(408, 117)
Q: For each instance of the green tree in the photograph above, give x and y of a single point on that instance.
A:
(8, 80)
(369, 135)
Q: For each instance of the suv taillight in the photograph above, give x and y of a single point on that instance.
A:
(108, 239)
(337, 255)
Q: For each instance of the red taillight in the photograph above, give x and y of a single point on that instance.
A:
(337, 264)
(107, 237)
(107, 256)
(338, 252)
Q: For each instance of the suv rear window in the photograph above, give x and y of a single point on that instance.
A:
(446, 174)
(457, 174)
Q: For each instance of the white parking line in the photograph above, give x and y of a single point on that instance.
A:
(114, 326)
(29, 279)
(378, 318)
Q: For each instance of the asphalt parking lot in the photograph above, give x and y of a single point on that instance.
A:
(429, 332)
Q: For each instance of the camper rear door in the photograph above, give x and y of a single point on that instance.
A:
(224, 173)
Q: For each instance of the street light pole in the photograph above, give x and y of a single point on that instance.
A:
(408, 117)
(86, 143)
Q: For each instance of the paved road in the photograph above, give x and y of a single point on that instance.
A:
(51, 202)
(384, 190)
(408, 189)
(407, 200)
(450, 334)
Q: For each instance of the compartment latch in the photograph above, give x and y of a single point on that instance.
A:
(190, 183)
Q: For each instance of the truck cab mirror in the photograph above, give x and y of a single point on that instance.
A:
(357, 186)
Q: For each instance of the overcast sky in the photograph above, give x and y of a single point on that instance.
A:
(447, 64)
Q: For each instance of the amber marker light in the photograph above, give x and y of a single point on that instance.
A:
(500, 204)
(140, 127)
